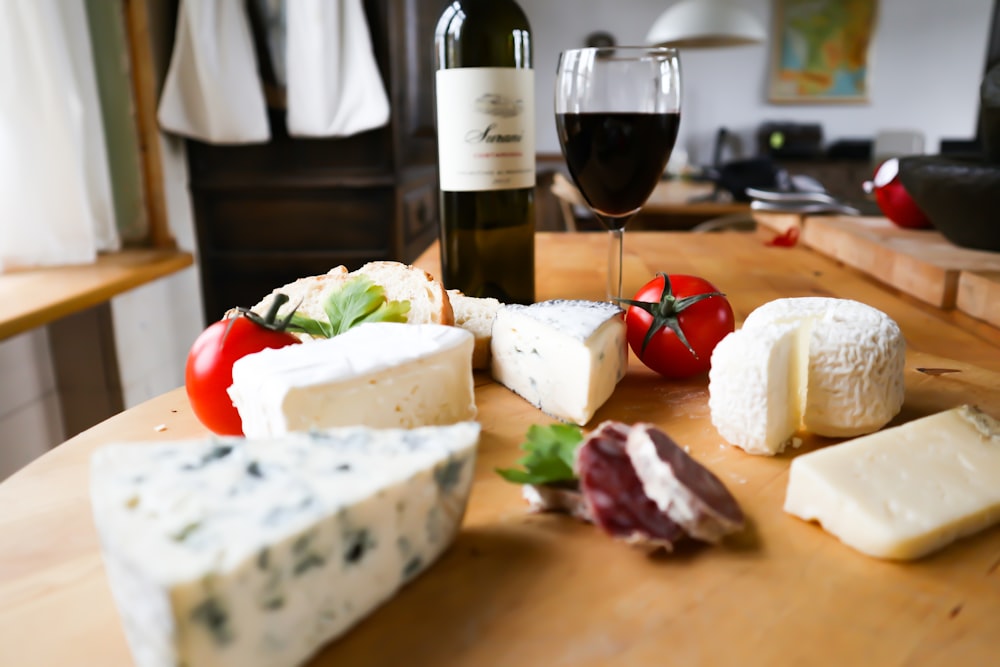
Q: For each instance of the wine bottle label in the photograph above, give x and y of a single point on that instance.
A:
(486, 128)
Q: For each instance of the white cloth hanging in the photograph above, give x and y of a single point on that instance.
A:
(334, 86)
(212, 91)
(56, 204)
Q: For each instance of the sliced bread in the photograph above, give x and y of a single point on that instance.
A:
(429, 303)
(475, 315)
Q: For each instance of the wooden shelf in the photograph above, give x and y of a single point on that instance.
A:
(32, 298)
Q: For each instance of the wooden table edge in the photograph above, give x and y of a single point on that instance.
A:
(86, 285)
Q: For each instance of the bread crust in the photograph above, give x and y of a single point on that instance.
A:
(429, 302)
(476, 315)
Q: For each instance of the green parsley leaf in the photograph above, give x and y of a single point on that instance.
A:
(359, 300)
(550, 454)
(301, 324)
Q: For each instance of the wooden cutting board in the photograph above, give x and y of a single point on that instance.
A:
(979, 295)
(921, 263)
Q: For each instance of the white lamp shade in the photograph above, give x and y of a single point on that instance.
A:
(706, 23)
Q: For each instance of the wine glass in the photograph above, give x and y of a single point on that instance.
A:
(617, 114)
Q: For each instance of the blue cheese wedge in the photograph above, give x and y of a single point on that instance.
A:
(243, 553)
(384, 375)
(564, 357)
(906, 491)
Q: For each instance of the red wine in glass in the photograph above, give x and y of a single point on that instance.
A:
(617, 111)
(617, 158)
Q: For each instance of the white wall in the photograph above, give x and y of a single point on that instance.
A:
(927, 60)
(30, 419)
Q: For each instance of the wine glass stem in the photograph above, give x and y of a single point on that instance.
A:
(615, 264)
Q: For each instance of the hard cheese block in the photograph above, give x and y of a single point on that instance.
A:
(243, 553)
(831, 366)
(379, 374)
(564, 357)
(906, 491)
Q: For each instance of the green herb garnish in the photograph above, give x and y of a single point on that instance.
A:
(359, 300)
(551, 451)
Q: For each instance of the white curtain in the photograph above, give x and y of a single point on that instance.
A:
(321, 49)
(55, 188)
(212, 91)
(334, 86)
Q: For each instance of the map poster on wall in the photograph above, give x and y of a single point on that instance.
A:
(820, 50)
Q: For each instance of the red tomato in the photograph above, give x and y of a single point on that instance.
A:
(209, 370)
(688, 317)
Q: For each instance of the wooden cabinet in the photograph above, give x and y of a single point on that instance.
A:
(267, 214)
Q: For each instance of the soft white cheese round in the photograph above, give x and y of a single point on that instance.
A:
(840, 374)
(751, 396)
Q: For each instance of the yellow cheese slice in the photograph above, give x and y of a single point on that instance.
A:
(906, 491)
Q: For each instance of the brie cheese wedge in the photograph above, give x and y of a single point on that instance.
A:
(382, 375)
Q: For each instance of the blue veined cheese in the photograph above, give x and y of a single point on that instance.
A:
(383, 375)
(833, 367)
(906, 491)
(564, 357)
(239, 553)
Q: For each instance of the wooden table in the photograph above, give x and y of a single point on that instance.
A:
(520, 589)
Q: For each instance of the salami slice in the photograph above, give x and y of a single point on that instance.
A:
(615, 495)
(686, 491)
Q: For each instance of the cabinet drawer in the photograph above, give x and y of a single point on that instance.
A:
(304, 220)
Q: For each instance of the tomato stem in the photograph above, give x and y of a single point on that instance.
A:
(666, 311)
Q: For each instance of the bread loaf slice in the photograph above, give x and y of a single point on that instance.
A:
(429, 303)
(475, 315)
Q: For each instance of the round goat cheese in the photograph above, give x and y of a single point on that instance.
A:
(833, 367)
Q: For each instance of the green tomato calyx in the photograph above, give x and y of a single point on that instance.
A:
(270, 319)
(666, 311)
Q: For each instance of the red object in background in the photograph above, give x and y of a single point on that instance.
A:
(786, 239)
(893, 199)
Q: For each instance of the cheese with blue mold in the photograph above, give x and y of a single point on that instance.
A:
(563, 356)
(246, 553)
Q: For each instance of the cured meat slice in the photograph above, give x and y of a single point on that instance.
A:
(686, 491)
(615, 495)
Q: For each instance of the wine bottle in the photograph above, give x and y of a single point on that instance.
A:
(485, 93)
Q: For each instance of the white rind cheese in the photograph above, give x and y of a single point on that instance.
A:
(564, 357)
(383, 375)
(906, 491)
(837, 373)
(242, 553)
(755, 368)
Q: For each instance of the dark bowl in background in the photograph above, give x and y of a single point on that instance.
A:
(960, 196)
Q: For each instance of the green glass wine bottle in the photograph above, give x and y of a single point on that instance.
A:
(485, 93)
